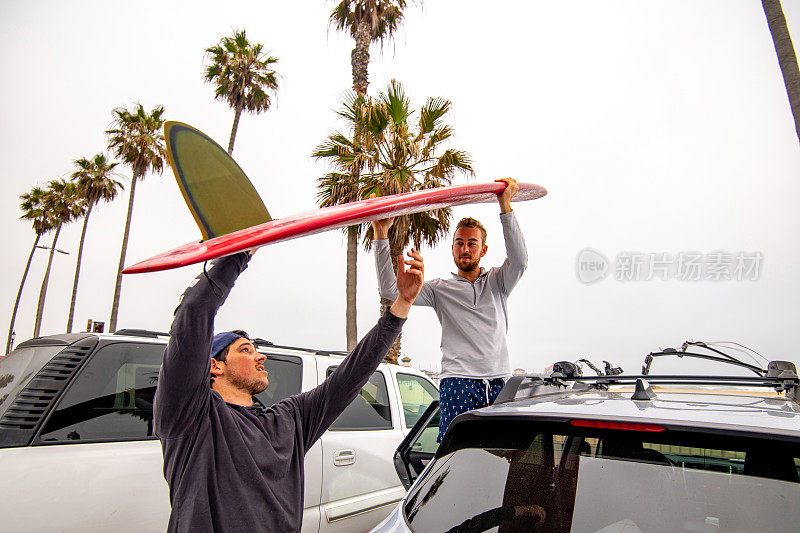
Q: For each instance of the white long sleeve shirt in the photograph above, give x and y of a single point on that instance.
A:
(474, 316)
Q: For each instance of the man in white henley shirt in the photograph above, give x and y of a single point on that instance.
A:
(471, 306)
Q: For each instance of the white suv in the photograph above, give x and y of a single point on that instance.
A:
(77, 450)
(613, 453)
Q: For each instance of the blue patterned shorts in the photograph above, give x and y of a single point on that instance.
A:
(459, 395)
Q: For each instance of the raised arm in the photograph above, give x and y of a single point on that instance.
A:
(504, 198)
(320, 406)
(387, 281)
(516, 252)
(184, 381)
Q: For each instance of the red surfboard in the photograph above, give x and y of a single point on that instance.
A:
(330, 218)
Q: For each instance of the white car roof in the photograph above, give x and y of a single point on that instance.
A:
(740, 409)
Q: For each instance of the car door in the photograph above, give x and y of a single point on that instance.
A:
(95, 464)
(416, 394)
(359, 484)
(419, 446)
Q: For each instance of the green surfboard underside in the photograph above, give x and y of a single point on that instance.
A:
(217, 191)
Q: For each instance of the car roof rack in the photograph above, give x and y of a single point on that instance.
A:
(721, 357)
(133, 332)
(63, 339)
(258, 342)
(527, 386)
(780, 375)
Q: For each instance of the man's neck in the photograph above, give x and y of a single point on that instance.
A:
(470, 276)
(233, 395)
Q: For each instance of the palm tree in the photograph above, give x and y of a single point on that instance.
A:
(33, 210)
(62, 205)
(138, 139)
(95, 182)
(367, 21)
(396, 154)
(243, 74)
(786, 56)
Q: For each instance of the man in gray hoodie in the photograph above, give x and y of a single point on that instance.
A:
(232, 465)
(471, 307)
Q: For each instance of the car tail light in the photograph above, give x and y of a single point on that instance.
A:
(627, 426)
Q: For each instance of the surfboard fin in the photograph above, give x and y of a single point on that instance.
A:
(216, 190)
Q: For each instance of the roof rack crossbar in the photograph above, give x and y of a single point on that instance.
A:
(534, 385)
(790, 385)
(537, 386)
(678, 378)
(268, 344)
(134, 332)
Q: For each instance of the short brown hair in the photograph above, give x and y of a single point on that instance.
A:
(472, 223)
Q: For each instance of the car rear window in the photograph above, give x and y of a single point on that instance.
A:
(524, 476)
(111, 398)
(19, 367)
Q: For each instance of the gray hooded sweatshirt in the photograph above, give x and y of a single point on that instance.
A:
(474, 316)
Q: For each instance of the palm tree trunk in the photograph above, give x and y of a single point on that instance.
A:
(234, 128)
(786, 56)
(43, 291)
(359, 61)
(359, 58)
(10, 341)
(393, 355)
(112, 323)
(351, 327)
(78, 270)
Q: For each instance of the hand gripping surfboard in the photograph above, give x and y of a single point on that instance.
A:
(232, 218)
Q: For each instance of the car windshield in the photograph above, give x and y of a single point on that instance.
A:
(524, 476)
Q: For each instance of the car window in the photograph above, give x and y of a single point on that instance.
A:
(285, 375)
(416, 393)
(511, 476)
(370, 409)
(427, 441)
(18, 368)
(111, 398)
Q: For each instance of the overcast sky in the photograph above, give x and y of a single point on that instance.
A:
(658, 127)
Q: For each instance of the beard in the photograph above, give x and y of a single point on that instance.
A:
(250, 385)
(467, 267)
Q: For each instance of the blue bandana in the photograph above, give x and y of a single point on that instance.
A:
(221, 340)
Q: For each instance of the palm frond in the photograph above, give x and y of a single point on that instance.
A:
(95, 179)
(383, 17)
(138, 140)
(383, 152)
(398, 107)
(430, 114)
(242, 73)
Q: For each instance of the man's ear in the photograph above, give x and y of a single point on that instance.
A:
(217, 368)
(483, 252)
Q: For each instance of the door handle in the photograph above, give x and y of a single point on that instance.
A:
(344, 457)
